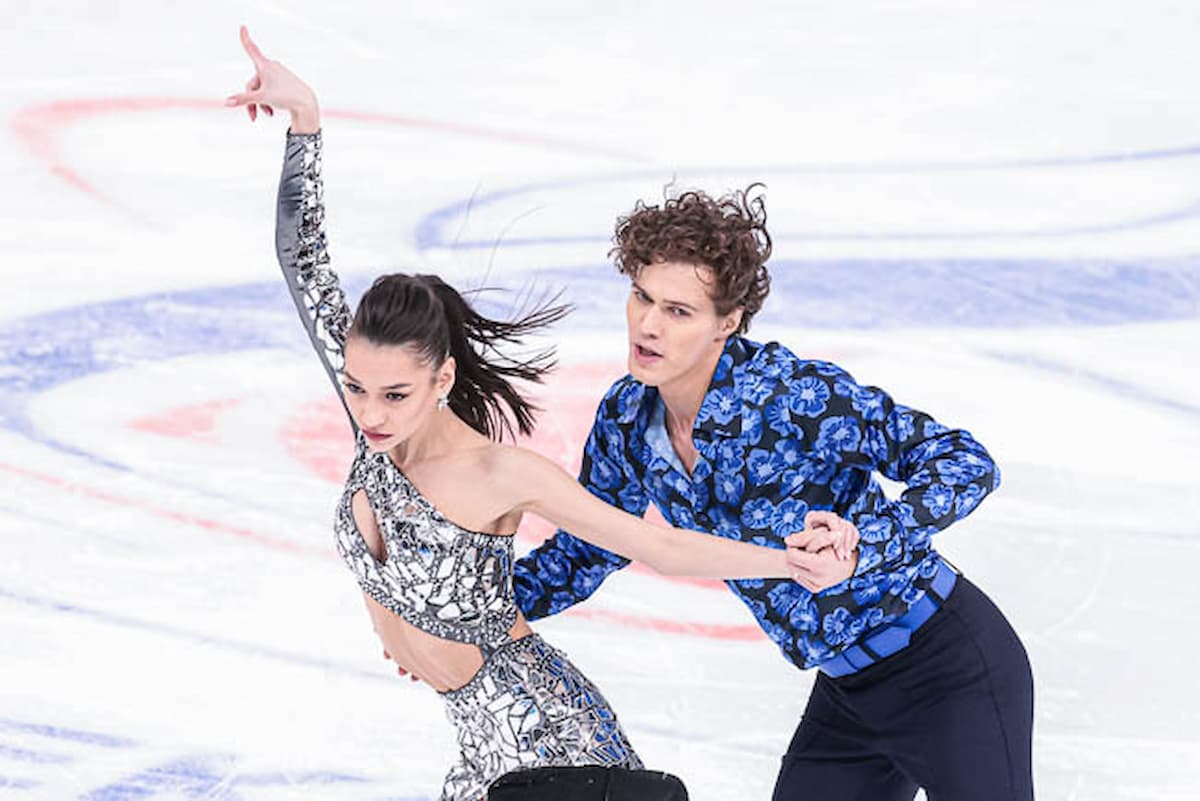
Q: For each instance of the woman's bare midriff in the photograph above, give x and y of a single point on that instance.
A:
(442, 664)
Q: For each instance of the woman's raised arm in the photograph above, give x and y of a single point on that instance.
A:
(300, 242)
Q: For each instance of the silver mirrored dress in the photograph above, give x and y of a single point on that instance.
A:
(528, 706)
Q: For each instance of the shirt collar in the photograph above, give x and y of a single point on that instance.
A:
(721, 410)
(657, 438)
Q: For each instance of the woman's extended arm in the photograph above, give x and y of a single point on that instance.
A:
(535, 484)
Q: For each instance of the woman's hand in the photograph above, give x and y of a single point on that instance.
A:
(275, 86)
(819, 571)
(825, 530)
(399, 669)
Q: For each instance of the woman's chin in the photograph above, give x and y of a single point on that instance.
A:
(380, 446)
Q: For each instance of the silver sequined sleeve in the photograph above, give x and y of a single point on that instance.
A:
(304, 256)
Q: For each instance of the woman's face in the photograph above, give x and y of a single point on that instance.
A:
(391, 390)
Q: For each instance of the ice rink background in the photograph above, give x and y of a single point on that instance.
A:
(991, 209)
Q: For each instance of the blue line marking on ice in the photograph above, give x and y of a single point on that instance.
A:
(25, 755)
(429, 233)
(429, 230)
(207, 776)
(198, 775)
(61, 733)
(125, 621)
(431, 239)
(933, 293)
(1109, 384)
(311, 777)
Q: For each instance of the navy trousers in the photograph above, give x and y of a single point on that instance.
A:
(952, 713)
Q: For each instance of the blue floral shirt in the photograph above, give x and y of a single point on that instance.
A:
(778, 435)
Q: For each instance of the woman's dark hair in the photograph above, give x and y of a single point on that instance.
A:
(728, 235)
(430, 316)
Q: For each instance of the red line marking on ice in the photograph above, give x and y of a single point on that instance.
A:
(37, 128)
(479, 131)
(714, 631)
(196, 422)
(206, 524)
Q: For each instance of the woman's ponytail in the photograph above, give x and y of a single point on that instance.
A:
(425, 312)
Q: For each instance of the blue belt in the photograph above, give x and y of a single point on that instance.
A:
(895, 636)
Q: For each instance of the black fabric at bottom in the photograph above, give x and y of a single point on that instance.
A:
(587, 783)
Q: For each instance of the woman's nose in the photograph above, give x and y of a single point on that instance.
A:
(373, 414)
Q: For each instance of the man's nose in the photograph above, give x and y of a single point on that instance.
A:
(650, 324)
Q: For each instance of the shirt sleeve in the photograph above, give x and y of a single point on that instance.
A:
(565, 570)
(303, 255)
(947, 472)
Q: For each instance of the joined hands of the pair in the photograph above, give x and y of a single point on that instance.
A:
(825, 553)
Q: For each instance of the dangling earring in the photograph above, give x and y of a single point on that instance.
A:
(443, 402)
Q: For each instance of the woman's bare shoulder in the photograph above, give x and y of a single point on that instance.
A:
(519, 472)
(503, 458)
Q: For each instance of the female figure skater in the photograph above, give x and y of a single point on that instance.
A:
(432, 500)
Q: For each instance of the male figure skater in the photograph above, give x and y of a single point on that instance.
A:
(922, 682)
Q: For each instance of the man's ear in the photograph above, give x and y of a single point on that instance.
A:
(732, 321)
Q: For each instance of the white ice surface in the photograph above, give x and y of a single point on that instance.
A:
(173, 622)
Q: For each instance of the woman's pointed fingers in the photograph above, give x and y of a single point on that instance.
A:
(251, 48)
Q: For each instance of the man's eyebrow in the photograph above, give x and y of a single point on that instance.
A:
(685, 305)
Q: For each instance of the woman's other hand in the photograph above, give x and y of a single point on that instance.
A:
(275, 86)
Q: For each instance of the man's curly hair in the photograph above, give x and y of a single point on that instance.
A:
(728, 235)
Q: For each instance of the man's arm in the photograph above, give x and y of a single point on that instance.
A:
(565, 570)
(946, 472)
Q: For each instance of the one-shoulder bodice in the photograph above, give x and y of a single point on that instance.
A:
(444, 579)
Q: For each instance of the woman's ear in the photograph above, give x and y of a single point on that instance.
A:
(446, 374)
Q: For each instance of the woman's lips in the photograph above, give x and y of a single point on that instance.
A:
(375, 436)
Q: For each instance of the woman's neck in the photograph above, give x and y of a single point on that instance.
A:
(443, 434)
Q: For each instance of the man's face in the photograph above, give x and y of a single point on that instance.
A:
(675, 333)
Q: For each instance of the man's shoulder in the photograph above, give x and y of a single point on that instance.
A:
(774, 362)
(622, 402)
